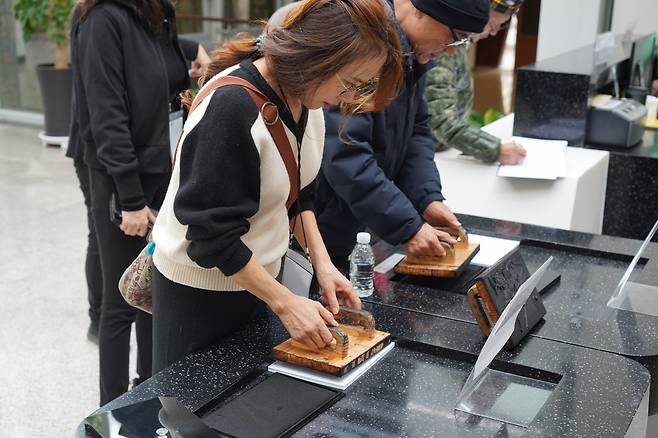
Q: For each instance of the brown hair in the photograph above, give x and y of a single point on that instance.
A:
(151, 12)
(316, 40)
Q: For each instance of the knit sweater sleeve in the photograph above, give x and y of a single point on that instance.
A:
(220, 182)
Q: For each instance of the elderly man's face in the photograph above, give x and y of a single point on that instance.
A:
(428, 37)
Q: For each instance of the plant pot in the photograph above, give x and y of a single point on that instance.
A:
(56, 90)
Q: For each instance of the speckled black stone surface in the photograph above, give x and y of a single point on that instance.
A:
(560, 113)
(590, 266)
(412, 391)
(552, 102)
(631, 199)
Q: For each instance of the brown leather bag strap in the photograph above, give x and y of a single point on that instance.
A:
(270, 114)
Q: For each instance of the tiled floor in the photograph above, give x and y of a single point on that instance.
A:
(48, 369)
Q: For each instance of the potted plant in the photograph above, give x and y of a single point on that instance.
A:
(51, 17)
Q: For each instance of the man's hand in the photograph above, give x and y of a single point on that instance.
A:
(511, 153)
(136, 223)
(495, 23)
(438, 214)
(200, 64)
(427, 242)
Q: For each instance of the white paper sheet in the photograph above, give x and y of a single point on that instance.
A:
(325, 379)
(492, 249)
(545, 159)
(389, 263)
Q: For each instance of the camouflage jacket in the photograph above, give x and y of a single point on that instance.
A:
(449, 93)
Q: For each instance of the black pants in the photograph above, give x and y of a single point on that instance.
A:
(92, 261)
(117, 251)
(186, 319)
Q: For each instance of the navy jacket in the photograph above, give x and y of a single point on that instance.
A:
(385, 176)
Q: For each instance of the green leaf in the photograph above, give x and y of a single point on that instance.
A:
(491, 115)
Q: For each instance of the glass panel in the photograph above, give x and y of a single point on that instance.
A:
(507, 397)
(483, 388)
(634, 296)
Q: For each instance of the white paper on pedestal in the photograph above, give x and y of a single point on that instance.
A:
(503, 329)
(492, 249)
(545, 159)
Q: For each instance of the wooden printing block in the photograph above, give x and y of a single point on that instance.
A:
(354, 342)
(457, 257)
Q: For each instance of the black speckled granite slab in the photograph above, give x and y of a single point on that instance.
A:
(631, 198)
(413, 390)
(577, 314)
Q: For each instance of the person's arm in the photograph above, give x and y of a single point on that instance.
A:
(189, 47)
(100, 58)
(449, 123)
(353, 173)
(219, 188)
(335, 288)
(419, 177)
(196, 54)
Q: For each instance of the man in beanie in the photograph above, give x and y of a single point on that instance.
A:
(384, 177)
(449, 93)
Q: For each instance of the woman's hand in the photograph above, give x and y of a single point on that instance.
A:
(306, 321)
(200, 64)
(335, 289)
(136, 223)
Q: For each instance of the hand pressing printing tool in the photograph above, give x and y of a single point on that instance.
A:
(355, 340)
(457, 257)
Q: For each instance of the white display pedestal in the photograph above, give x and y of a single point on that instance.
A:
(572, 203)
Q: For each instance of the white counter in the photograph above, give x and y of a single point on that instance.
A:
(572, 203)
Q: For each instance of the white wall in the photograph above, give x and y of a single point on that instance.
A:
(641, 16)
(565, 25)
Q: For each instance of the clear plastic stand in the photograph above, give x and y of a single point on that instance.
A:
(498, 395)
(632, 296)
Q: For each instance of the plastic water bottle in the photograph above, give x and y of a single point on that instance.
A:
(362, 262)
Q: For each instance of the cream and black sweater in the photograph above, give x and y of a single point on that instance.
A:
(226, 200)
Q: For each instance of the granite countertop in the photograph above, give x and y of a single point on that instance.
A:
(577, 312)
(412, 391)
(647, 148)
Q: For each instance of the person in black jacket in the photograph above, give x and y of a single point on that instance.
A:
(378, 170)
(128, 69)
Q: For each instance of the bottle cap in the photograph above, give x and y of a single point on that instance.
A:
(363, 238)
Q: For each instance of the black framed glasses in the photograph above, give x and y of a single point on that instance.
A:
(459, 38)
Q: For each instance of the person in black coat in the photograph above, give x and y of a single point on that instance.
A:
(128, 68)
(378, 169)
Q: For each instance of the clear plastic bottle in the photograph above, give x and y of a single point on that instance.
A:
(362, 262)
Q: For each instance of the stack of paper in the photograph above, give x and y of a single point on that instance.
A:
(492, 249)
(325, 379)
(545, 159)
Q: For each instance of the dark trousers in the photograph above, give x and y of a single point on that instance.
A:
(92, 261)
(186, 319)
(117, 251)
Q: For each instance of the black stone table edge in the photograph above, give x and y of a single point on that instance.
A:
(547, 238)
(535, 234)
(202, 376)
